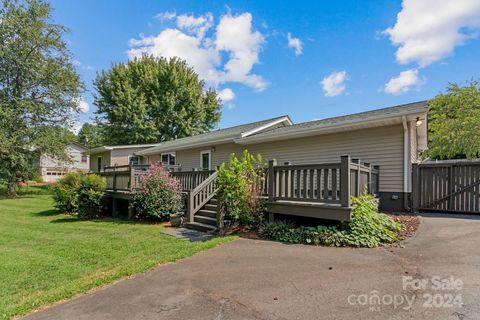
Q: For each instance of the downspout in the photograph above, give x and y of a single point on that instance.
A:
(406, 204)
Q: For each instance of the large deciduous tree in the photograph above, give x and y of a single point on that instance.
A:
(38, 88)
(91, 135)
(454, 122)
(152, 100)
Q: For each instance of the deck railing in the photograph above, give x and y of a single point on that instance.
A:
(324, 183)
(126, 178)
(200, 195)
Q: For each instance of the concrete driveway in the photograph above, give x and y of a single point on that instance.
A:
(250, 279)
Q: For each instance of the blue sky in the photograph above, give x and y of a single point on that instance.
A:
(310, 60)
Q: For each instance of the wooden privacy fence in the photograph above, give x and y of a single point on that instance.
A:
(322, 183)
(450, 186)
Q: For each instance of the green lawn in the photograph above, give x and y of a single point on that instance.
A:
(46, 256)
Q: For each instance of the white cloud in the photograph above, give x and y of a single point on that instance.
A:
(195, 25)
(226, 95)
(233, 37)
(334, 84)
(76, 126)
(428, 30)
(295, 43)
(83, 105)
(404, 82)
(167, 15)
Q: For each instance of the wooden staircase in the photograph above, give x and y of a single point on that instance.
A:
(202, 206)
(206, 218)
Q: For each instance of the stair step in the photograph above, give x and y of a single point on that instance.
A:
(207, 213)
(213, 201)
(205, 220)
(210, 207)
(200, 226)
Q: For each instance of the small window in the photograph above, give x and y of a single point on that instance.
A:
(99, 164)
(168, 159)
(49, 173)
(134, 160)
(205, 160)
(84, 158)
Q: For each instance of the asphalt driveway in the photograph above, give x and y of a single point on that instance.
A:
(436, 275)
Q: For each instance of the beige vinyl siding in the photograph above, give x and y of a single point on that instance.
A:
(190, 159)
(382, 146)
(105, 160)
(120, 156)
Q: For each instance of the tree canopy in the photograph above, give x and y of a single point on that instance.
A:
(151, 99)
(91, 135)
(454, 122)
(38, 87)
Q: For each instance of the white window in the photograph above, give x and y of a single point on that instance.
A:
(168, 159)
(84, 158)
(99, 164)
(205, 160)
(133, 160)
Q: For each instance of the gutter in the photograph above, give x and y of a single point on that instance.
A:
(405, 162)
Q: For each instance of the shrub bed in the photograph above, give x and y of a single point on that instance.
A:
(368, 228)
(159, 194)
(79, 194)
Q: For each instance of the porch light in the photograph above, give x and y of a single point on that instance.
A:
(419, 122)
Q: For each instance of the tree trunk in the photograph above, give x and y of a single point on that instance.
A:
(12, 189)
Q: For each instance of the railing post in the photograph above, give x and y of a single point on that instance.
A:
(114, 180)
(415, 188)
(345, 181)
(377, 180)
(190, 206)
(357, 177)
(271, 180)
(271, 185)
(369, 177)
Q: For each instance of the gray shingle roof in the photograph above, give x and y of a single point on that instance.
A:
(220, 135)
(399, 110)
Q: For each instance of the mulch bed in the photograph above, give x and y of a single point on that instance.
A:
(409, 220)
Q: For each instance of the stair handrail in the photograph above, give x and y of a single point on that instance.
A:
(199, 196)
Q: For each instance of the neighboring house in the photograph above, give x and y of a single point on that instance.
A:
(51, 169)
(106, 156)
(391, 138)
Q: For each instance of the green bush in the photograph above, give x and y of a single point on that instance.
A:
(368, 228)
(89, 195)
(65, 192)
(159, 194)
(240, 188)
(80, 194)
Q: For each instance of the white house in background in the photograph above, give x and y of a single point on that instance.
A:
(51, 169)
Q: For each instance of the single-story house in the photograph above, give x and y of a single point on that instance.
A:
(52, 169)
(390, 138)
(120, 155)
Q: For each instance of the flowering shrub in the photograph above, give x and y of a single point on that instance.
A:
(159, 194)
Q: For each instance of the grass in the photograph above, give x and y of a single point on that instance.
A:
(47, 256)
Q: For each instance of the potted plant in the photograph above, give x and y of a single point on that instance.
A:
(177, 219)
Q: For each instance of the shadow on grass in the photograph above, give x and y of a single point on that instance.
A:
(47, 213)
(109, 220)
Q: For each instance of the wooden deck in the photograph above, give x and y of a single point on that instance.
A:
(320, 191)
